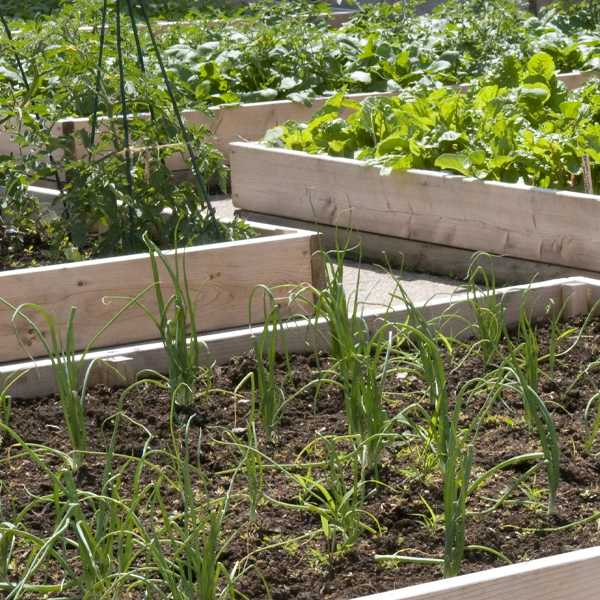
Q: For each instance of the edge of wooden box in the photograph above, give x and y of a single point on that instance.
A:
(578, 294)
(571, 575)
(222, 271)
(438, 207)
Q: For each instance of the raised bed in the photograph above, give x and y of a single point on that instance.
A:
(544, 579)
(243, 122)
(524, 222)
(226, 273)
(336, 19)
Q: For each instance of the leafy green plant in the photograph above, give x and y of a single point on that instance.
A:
(523, 128)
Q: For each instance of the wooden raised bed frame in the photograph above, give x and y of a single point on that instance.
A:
(524, 222)
(226, 273)
(244, 122)
(572, 574)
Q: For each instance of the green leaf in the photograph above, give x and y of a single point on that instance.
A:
(439, 65)
(259, 96)
(570, 109)
(288, 83)
(499, 161)
(477, 157)
(453, 162)
(273, 135)
(391, 143)
(536, 92)
(484, 96)
(400, 165)
(541, 65)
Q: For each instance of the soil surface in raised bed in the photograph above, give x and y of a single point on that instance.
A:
(401, 511)
(33, 251)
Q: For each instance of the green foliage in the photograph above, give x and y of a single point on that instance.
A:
(533, 132)
(338, 499)
(60, 63)
(176, 320)
(67, 366)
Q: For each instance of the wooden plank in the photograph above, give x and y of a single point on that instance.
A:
(423, 257)
(226, 274)
(536, 6)
(575, 299)
(301, 336)
(571, 575)
(577, 79)
(423, 8)
(536, 224)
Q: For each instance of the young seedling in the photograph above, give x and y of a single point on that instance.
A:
(177, 317)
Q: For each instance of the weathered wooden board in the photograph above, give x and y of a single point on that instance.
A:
(435, 207)
(536, 6)
(224, 273)
(424, 257)
(573, 575)
(580, 293)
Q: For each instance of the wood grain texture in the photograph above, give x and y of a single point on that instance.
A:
(224, 273)
(435, 207)
(448, 314)
(423, 256)
(573, 575)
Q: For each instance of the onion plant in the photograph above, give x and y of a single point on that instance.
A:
(361, 358)
(187, 547)
(67, 366)
(530, 352)
(554, 316)
(6, 400)
(272, 398)
(419, 335)
(342, 313)
(338, 502)
(106, 547)
(517, 380)
(458, 456)
(176, 317)
(361, 373)
(487, 309)
(250, 462)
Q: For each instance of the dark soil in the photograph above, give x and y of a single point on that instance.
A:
(301, 569)
(31, 251)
